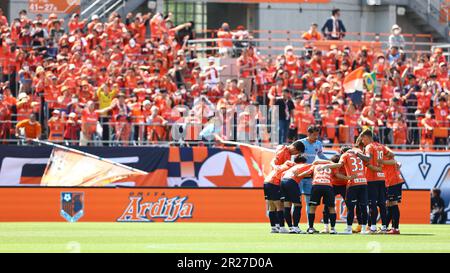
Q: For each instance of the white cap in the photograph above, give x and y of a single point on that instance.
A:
(22, 95)
(72, 115)
(94, 17)
(211, 59)
(71, 66)
(396, 27)
(146, 102)
(56, 112)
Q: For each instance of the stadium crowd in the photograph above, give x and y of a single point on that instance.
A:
(126, 76)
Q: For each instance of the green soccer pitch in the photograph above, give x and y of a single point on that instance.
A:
(206, 237)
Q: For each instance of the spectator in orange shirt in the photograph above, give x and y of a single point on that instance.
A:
(428, 124)
(156, 129)
(400, 131)
(3, 20)
(89, 120)
(329, 123)
(225, 42)
(306, 119)
(312, 34)
(75, 24)
(56, 127)
(72, 128)
(442, 114)
(29, 128)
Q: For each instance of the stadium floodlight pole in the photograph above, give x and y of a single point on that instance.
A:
(54, 145)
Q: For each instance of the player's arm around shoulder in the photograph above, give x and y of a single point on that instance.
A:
(307, 173)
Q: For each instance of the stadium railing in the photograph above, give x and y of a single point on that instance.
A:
(138, 135)
(272, 42)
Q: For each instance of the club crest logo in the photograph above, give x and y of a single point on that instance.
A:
(72, 204)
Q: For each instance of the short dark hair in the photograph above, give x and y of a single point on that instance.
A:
(344, 149)
(299, 146)
(367, 133)
(300, 159)
(334, 11)
(313, 129)
(335, 158)
(436, 191)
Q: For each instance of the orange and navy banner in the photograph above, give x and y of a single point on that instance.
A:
(45, 204)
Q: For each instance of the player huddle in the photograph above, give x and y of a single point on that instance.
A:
(366, 176)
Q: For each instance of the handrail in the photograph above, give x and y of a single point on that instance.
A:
(83, 12)
(120, 4)
(102, 7)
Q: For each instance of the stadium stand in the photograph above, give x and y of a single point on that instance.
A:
(128, 81)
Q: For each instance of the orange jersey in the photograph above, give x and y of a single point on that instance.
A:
(337, 181)
(296, 170)
(275, 175)
(376, 151)
(323, 177)
(56, 127)
(354, 166)
(282, 155)
(393, 175)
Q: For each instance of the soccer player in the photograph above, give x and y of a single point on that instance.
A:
(282, 155)
(375, 177)
(291, 195)
(273, 196)
(394, 183)
(339, 188)
(356, 195)
(321, 190)
(313, 149)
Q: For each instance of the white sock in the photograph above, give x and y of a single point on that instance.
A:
(383, 227)
(363, 227)
(326, 226)
(277, 225)
(349, 227)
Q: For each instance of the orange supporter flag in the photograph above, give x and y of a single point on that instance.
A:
(354, 81)
(68, 167)
(258, 161)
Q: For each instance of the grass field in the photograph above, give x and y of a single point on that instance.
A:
(199, 237)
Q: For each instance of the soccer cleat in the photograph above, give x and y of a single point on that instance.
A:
(283, 230)
(373, 231)
(299, 231)
(394, 232)
(382, 231)
(325, 231)
(274, 230)
(333, 231)
(292, 230)
(311, 231)
(357, 229)
(347, 230)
